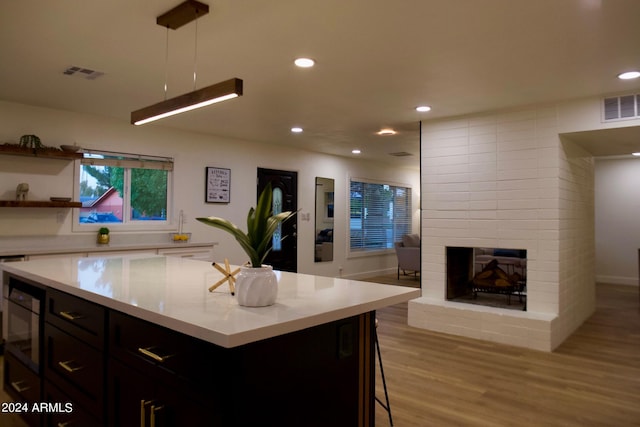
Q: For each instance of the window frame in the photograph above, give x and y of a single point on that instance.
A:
(130, 162)
(362, 252)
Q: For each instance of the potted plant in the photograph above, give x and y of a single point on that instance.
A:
(256, 284)
(103, 235)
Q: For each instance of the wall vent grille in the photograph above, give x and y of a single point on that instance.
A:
(85, 73)
(621, 107)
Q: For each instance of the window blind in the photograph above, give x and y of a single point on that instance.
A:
(125, 160)
(380, 214)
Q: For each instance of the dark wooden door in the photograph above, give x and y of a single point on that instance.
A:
(284, 254)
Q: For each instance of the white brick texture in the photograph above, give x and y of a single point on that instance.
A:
(508, 181)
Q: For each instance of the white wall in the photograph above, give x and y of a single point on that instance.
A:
(192, 153)
(617, 212)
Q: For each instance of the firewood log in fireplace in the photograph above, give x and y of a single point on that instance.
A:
(492, 276)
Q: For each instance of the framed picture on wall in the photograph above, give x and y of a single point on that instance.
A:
(217, 185)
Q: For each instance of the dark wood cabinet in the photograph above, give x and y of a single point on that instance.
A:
(137, 399)
(76, 316)
(312, 377)
(162, 376)
(24, 386)
(68, 412)
(115, 369)
(76, 367)
(74, 357)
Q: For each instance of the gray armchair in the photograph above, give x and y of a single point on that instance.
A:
(408, 253)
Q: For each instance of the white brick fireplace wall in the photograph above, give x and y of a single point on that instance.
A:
(507, 180)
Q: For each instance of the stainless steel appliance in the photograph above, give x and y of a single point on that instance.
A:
(23, 304)
(3, 259)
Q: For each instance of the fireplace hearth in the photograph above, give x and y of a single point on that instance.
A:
(493, 277)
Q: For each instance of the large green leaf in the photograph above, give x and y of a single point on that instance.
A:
(261, 225)
(232, 229)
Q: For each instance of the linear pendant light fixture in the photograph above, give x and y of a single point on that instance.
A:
(228, 89)
(218, 92)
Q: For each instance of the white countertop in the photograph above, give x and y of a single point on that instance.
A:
(172, 292)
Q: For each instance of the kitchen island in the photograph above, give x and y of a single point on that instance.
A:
(138, 340)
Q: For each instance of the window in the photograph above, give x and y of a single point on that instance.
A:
(276, 208)
(124, 189)
(380, 214)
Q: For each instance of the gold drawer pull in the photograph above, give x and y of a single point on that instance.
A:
(147, 352)
(143, 411)
(67, 366)
(70, 315)
(155, 410)
(65, 424)
(17, 386)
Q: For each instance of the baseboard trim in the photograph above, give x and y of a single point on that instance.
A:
(617, 280)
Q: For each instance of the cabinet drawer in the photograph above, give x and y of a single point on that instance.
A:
(23, 385)
(79, 317)
(134, 398)
(67, 411)
(75, 366)
(199, 253)
(159, 351)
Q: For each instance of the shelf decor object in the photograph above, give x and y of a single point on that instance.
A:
(175, 18)
(256, 285)
(229, 276)
(103, 236)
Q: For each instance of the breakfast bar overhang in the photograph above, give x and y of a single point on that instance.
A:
(167, 351)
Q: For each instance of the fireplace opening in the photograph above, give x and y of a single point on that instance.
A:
(493, 277)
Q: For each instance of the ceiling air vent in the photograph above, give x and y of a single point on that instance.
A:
(621, 107)
(85, 73)
(400, 154)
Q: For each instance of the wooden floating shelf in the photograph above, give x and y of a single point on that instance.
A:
(47, 154)
(38, 204)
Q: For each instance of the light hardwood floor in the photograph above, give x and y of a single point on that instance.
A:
(441, 380)
(592, 379)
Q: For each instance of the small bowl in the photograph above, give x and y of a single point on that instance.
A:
(180, 237)
(70, 148)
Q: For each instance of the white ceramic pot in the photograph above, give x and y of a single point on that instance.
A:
(256, 287)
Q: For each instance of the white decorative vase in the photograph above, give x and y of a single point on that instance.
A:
(256, 286)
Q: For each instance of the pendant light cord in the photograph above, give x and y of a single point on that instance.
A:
(166, 60)
(195, 55)
(166, 64)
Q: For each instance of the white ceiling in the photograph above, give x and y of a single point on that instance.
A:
(376, 61)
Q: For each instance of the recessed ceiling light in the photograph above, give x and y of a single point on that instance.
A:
(423, 108)
(387, 131)
(629, 75)
(296, 129)
(636, 154)
(304, 62)
(356, 151)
